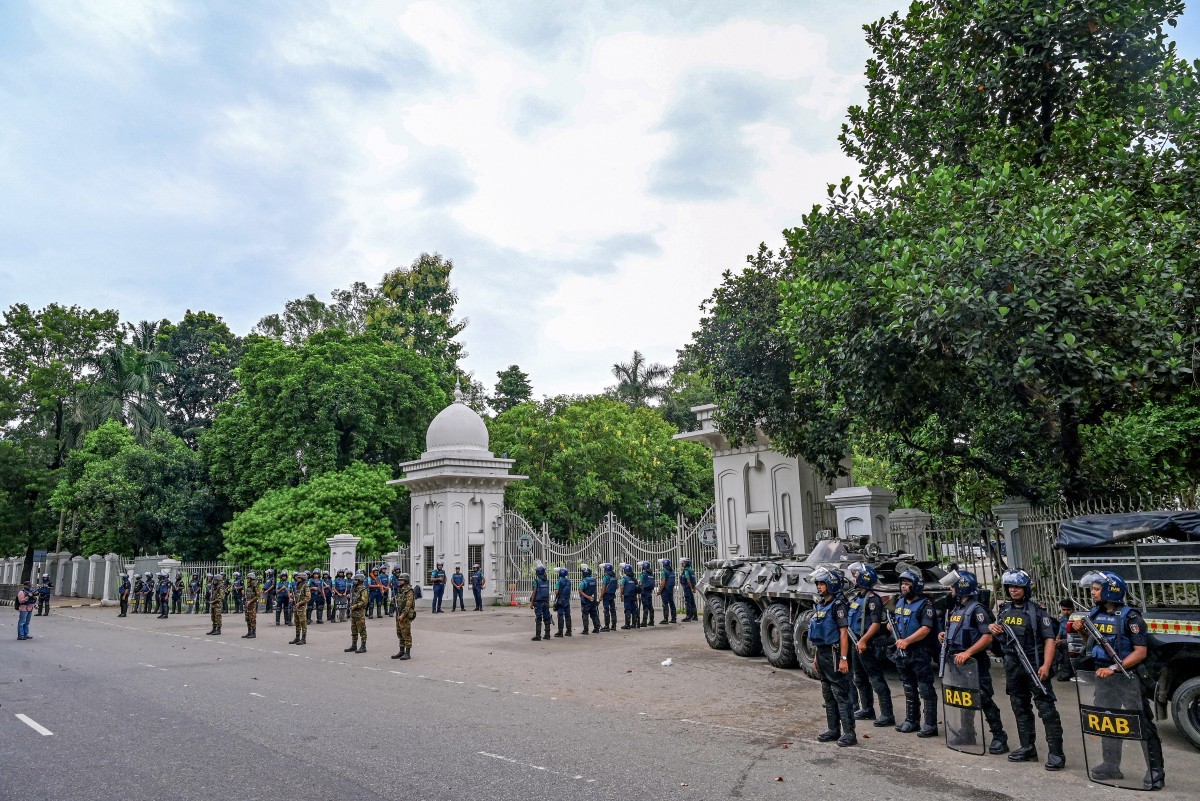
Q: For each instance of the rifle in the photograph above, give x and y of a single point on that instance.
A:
(1023, 657)
(1103, 642)
(891, 619)
(945, 643)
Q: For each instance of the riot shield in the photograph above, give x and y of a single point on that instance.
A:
(1110, 715)
(962, 708)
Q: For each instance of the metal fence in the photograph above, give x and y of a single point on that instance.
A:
(977, 547)
(524, 547)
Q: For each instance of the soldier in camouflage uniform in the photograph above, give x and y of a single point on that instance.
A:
(406, 612)
(216, 591)
(358, 614)
(253, 592)
(301, 601)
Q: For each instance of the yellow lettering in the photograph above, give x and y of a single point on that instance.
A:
(956, 618)
(1106, 724)
(949, 696)
(1122, 726)
(1093, 722)
(967, 700)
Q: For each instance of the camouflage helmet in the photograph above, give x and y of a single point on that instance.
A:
(404, 577)
(252, 575)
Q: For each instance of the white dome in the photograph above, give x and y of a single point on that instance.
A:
(456, 428)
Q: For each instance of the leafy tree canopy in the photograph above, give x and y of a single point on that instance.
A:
(288, 526)
(639, 381)
(416, 310)
(204, 353)
(588, 456)
(512, 389)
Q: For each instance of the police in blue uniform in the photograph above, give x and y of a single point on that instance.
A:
(866, 654)
(437, 577)
(269, 590)
(562, 602)
(539, 600)
(177, 595)
(456, 585)
(647, 600)
(915, 631)
(687, 580)
(588, 601)
(164, 593)
(666, 591)
(123, 594)
(967, 637)
(1033, 628)
(284, 593)
(1125, 630)
(477, 584)
(828, 635)
(608, 596)
(194, 585)
(341, 596)
(314, 597)
(239, 592)
(139, 594)
(629, 595)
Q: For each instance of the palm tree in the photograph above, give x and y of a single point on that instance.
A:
(125, 385)
(639, 381)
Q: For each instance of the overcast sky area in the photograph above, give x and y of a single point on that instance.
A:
(591, 168)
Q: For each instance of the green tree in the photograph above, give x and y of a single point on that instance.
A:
(588, 456)
(416, 310)
(640, 381)
(303, 317)
(204, 354)
(124, 387)
(317, 407)
(288, 526)
(1147, 450)
(512, 389)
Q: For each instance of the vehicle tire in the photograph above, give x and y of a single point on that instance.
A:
(1185, 709)
(741, 627)
(714, 622)
(805, 653)
(777, 635)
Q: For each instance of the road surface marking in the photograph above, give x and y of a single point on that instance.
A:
(532, 766)
(33, 724)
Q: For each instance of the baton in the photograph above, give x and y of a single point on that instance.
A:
(1024, 658)
(945, 643)
(1103, 642)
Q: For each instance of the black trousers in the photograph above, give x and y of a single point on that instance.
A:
(837, 689)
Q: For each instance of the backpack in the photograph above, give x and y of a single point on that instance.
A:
(417, 591)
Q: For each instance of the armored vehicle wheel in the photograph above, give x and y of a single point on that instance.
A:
(778, 641)
(741, 625)
(805, 653)
(1185, 709)
(714, 623)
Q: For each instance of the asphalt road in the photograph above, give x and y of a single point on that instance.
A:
(139, 705)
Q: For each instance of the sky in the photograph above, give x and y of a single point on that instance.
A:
(591, 167)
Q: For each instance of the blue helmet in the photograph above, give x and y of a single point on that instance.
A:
(667, 564)
(914, 578)
(1112, 587)
(644, 566)
(865, 576)
(607, 567)
(540, 570)
(685, 562)
(562, 572)
(1018, 578)
(967, 585)
(627, 568)
(585, 570)
(831, 577)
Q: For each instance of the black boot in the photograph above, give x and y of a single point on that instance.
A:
(246, 636)
(560, 629)
(999, 743)
(834, 724)
(353, 647)
(407, 652)
(930, 728)
(211, 631)
(362, 648)
(585, 625)
(912, 712)
(253, 633)
(400, 654)
(864, 713)
(295, 640)
(1026, 753)
(887, 716)
(568, 629)
(218, 631)
(537, 631)
(1056, 760)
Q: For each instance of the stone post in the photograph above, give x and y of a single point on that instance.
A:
(862, 510)
(343, 552)
(172, 566)
(1007, 515)
(911, 525)
(111, 562)
(64, 559)
(77, 567)
(93, 574)
(392, 559)
(6, 578)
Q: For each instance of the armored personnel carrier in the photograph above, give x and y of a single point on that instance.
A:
(762, 605)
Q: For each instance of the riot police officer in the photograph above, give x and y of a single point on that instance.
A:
(123, 594)
(269, 590)
(437, 577)
(608, 596)
(163, 593)
(687, 580)
(866, 654)
(194, 585)
(177, 595)
(666, 591)
(968, 636)
(1124, 630)
(284, 590)
(629, 595)
(342, 586)
(478, 582)
(646, 583)
(588, 600)
(539, 601)
(828, 635)
(1033, 629)
(456, 585)
(562, 602)
(915, 629)
(139, 594)
(239, 592)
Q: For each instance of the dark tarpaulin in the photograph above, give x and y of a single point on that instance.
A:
(1090, 531)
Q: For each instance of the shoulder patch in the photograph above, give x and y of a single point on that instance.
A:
(1135, 628)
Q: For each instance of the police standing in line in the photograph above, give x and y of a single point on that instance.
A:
(123, 594)
(866, 652)
(539, 602)
(194, 585)
(915, 629)
(608, 596)
(562, 602)
(300, 600)
(629, 596)
(327, 594)
(284, 591)
(177, 594)
(1033, 629)
(437, 577)
(269, 590)
(239, 592)
(478, 582)
(666, 591)
(687, 580)
(43, 596)
(139, 593)
(216, 594)
(456, 585)
(828, 634)
(360, 599)
(316, 599)
(163, 593)
(587, 600)
(1124, 629)
(646, 582)
(967, 637)
(405, 611)
(341, 596)
(253, 593)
